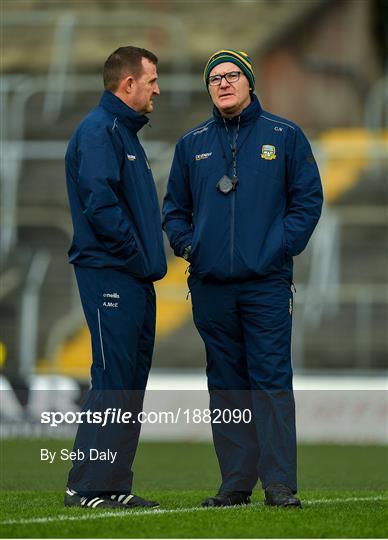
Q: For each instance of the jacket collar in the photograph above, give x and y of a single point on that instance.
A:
(248, 115)
(132, 119)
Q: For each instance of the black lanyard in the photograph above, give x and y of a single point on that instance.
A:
(233, 145)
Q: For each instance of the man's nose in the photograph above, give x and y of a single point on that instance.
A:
(224, 83)
(157, 90)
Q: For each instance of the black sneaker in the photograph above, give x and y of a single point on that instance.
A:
(72, 498)
(227, 498)
(280, 495)
(133, 501)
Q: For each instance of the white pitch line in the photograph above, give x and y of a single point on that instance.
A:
(117, 513)
(131, 513)
(348, 499)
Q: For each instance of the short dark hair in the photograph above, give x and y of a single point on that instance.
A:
(123, 61)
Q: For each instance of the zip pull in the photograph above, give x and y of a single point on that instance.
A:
(188, 294)
(293, 286)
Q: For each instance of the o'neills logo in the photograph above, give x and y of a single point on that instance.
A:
(203, 156)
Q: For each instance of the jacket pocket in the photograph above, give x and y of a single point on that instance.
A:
(278, 257)
(136, 262)
(283, 245)
(271, 255)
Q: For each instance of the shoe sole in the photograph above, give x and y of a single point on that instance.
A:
(291, 505)
(141, 505)
(224, 505)
(75, 502)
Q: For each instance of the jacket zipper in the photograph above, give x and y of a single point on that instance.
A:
(232, 215)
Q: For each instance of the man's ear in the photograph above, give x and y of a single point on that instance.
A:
(126, 84)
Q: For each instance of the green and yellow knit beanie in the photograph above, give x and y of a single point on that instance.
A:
(240, 58)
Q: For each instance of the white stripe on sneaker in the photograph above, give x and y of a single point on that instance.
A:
(127, 499)
(91, 501)
(121, 497)
(99, 501)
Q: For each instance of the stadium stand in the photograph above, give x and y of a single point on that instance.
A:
(341, 280)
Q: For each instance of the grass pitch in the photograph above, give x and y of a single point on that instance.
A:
(344, 490)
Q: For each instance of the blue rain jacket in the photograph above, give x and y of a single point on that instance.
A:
(257, 228)
(113, 200)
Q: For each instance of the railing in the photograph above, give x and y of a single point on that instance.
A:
(29, 319)
(67, 24)
(376, 107)
(15, 95)
(60, 80)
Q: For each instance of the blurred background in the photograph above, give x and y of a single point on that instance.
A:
(321, 63)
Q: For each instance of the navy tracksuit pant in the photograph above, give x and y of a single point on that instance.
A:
(246, 328)
(120, 312)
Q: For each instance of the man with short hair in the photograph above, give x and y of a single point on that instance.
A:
(117, 253)
(243, 198)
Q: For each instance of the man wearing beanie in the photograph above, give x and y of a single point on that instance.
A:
(243, 198)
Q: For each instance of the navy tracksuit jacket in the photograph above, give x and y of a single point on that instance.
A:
(242, 245)
(117, 252)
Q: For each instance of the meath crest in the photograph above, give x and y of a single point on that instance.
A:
(268, 151)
